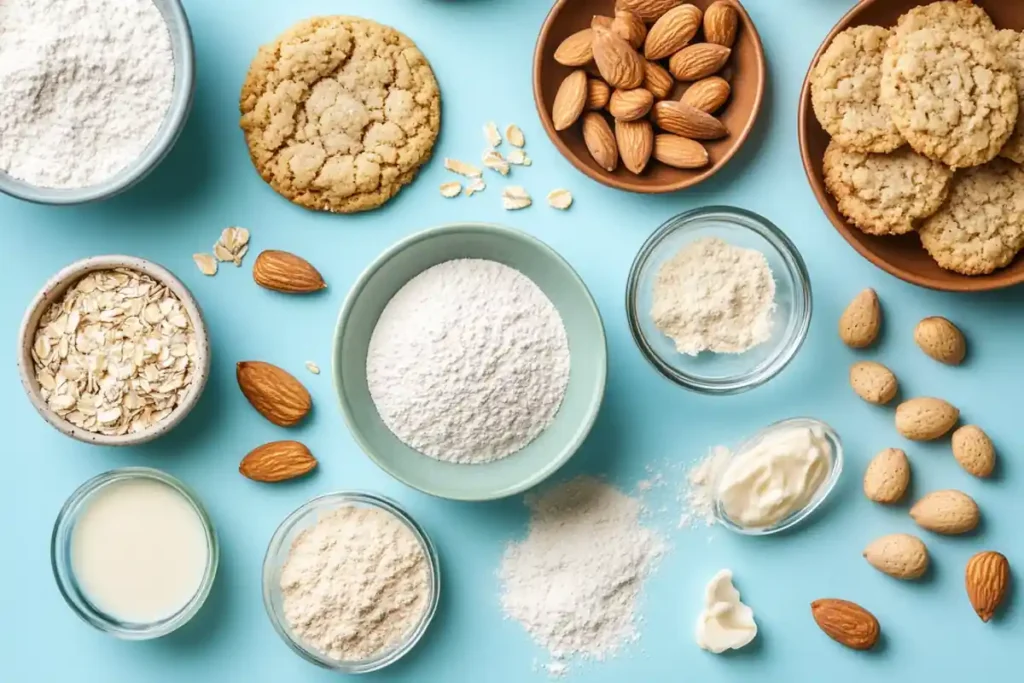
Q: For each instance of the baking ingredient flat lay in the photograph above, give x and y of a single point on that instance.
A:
(355, 584)
(873, 382)
(846, 622)
(285, 272)
(941, 340)
(277, 461)
(925, 418)
(273, 392)
(84, 88)
(713, 296)
(725, 623)
(469, 362)
(575, 596)
(948, 512)
(116, 354)
(861, 322)
(901, 556)
(987, 578)
(974, 451)
(887, 477)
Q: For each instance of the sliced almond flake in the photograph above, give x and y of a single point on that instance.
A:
(515, 197)
(234, 238)
(491, 134)
(515, 136)
(494, 161)
(519, 158)
(462, 168)
(207, 264)
(222, 253)
(313, 367)
(478, 185)
(560, 199)
(450, 190)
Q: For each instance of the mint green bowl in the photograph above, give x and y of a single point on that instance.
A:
(589, 360)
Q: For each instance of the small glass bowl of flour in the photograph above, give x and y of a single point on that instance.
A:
(719, 300)
(351, 582)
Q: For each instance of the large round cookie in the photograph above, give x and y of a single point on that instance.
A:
(981, 226)
(846, 88)
(885, 194)
(947, 14)
(950, 93)
(1011, 43)
(339, 113)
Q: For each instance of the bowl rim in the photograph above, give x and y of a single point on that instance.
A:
(483, 228)
(55, 287)
(275, 548)
(796, 267)
(807, 119)
(639, 185)
(173, 13)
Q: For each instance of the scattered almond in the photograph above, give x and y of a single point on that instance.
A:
(273, 392)
(630, 105)
(846, 622)
(514, 136)
(708, 94)
(974, 451)
(576, 50)
(672, 32)
(560, 199)
(941, 340)
(462, 168)
(570, 100)
(514, 198)
(948, 512)
(277, 461)
(690, 122)
(873, 382)
(721, 22)
(493, 160)
(285, 272)
(679, 152)
(987, 579)
(600, 141)
(207, 264)
(618, 63)
(630, 27)
(698, 61)
(887, 476)
(657, 80)
(861, 322)
(491, 134)
(598, 94)
(648, 10)
(635, 140)
(901, 556)
(925, 418)
(450, 190)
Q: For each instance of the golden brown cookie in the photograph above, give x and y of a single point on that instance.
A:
(981, 227)
(340, 113)
(1011, 44)
(885, 194)
(947, 14)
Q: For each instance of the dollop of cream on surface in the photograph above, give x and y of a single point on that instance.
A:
(725, 623)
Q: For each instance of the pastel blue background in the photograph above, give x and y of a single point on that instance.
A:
(481, 50)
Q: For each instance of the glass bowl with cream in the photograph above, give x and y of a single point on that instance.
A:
(778, 477)
(134, 553)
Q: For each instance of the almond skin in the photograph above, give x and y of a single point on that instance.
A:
(657, 80)
(598, 94)
(274, 393)
(873, 382)
(630, 105)
(648, 10)
(887, 477)
(577, 49)
(285, 272)
(690, 122)
(630, 27)
(948, 512)
(600, 141)
(695, 62)
(861, 322)
(925, 418)
(901, 556)
(846, 622)
(601, 21)
(941, 340)
(636, 143)
(974, 451)
(277, 461)
(570, 100)
(708, 94)
(680, 152)
(721, 23)
(987, 579)
(672, 32)
(618, 63)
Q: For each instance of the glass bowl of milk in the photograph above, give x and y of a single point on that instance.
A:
(134, 553)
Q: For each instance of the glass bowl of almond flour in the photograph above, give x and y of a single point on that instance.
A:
(719, 300)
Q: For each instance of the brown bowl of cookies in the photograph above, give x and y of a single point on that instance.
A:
(648, 96)
(911, 130)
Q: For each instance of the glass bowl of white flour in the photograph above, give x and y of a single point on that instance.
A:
(719, 300)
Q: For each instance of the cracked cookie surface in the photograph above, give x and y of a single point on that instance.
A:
(1011, 43)
(946, 14)
(846, 89)
(339, 113)
(981, 227)
(950, 93)
(885, 194)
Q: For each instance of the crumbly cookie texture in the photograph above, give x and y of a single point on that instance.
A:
(1011, 44)
(885, 194)
(339, 113)
(947, 14)
(981, 227)
(951, 95)
(846, 89)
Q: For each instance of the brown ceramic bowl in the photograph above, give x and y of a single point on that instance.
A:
(745, 72)
(901, 256)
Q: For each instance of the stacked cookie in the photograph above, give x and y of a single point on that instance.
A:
(926, 134)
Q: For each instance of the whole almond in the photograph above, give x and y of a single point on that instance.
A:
(619, 64)
(901, 556)
(569, 100)
(861, 322)
(598, 94)
(974, 450)
(636, 143)
(846, 622)
(273, 392)
(873, 382)
(630, 27)
(925, 418)
(941, 340)
(577, 49)
(285, 272)
(657, 80)
(721, 22)
(600, 141)
(601, 21)
(680, 152)
(708, 94)
(672, 32)
(630, 105)
(987, 579)
(648, 10)
(887, 476)
(277, 461)
(947, 512)
(690, 122)
(698, 61)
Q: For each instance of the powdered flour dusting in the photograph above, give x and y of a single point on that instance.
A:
(697, 495)
(574, 582)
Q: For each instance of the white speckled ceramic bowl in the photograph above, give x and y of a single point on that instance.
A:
(54, 289)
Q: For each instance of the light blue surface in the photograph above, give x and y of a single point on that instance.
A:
(482, 51)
